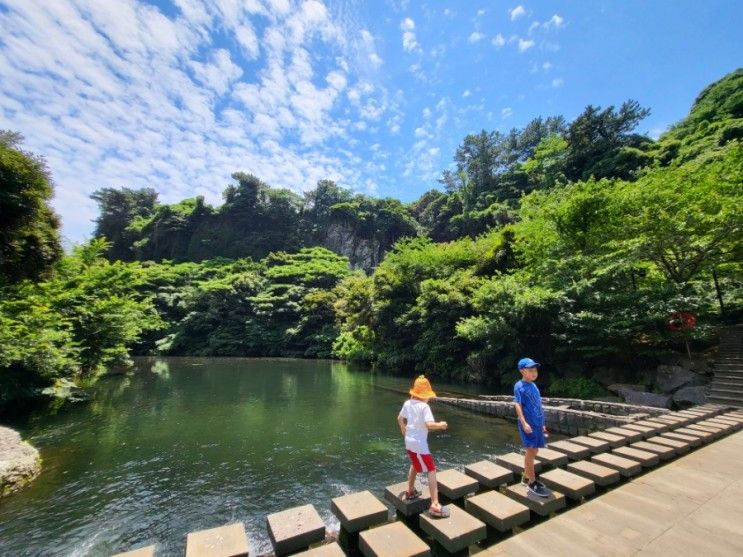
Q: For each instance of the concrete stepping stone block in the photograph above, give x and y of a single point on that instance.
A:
(515, 462)
(497, 510)
(600, 475)
(325, 550)
(736, 425)
(646, 458)
(572, 450)
(678, 421)
(394, 494)
(645, 431)
(693, 440)
(716, 432)
(489, 474)
(678, 446)
(392, 540)
(543, 506)
(454, 484)
(595, 445)
(455, 533)
(632, 436)
(555, 459)
(224, 541)
(613, 440)
(660, 427)
(294, 529)
(572, 485)
(626, 467)
(664, 452)
(719, 423)
(358, 511)
(148, 551)
(703, 436)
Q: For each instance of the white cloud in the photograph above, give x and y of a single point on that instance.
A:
(475, 37)
(517, 12)
(498, 41)
(557, 82)
(506, 112)
(480, 13)
(534, 25)
(525, 45)
(547, 66)
(555, 22)
(409, 40)
(466, 93)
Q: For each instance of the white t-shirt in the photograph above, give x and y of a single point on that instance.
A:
(417, 413)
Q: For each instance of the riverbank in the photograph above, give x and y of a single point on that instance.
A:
(20, 463)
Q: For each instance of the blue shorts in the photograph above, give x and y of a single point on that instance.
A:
(533, 440)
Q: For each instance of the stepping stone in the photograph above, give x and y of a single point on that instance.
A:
(325, 550)
(394, 493)
(543, 506)
(515, 462)
(224, 541)
(672, 421)
(720, 423)
(573, 451)
(645, 431)
(734, 424)
(624, 466)
(716, 432)
(664, 452)
(497, 510)
(392, 540)
(294, 529)
(358, 511)
(555, 459)
(600, 475)
(148, 551)
(692, 440)
(679, 447)
(660, 427)
(572, 485)
(455, 533)
(646, 458)
(630, 435)
(454, 485)
(489, 474)
(595, 445)
(704, 436)
(613, 440)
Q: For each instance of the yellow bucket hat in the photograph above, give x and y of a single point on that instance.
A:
(422, 388)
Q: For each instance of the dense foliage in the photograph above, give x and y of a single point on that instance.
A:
(573, 242)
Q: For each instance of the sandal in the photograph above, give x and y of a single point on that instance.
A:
(410, 495)
(443, 512)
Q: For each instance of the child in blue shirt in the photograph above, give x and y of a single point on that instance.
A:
(528, 403)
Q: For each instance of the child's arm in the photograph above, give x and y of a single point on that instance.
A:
(431, 426)
(520, 414)
(401, 423)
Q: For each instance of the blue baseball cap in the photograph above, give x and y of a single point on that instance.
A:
(527, 362)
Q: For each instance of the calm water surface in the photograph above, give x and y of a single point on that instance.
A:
(186, 444)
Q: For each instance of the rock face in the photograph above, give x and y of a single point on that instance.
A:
(633, 394)
(362, 252)
(690, 395)
(671, 378)
(19, 462)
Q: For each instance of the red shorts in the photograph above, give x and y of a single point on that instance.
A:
(422, 462)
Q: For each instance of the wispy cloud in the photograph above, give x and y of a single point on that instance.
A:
(525, 45)
(409, 40)
(517, 12)
(475, 37)
(557, 82)
(498, 41)
(555, 22)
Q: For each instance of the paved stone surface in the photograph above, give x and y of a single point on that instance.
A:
(453, 484)
(225, 541)
(325, 550)
(574, 451)
(574, 486)
(613, 440)
(543, 506)
(392, 540)
(515, 462)
(394, 494)
(686, 508)
(595, 445)
(632, 436)
(597, 473)
(624, 466)
(646, 458)
(664, 452)
(489, 474)
(552, 458)
(497, 510)
(358, 511)
(455, 533)
(148, 551)
(294, 529)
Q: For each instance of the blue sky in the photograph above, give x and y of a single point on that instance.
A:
(376, 95)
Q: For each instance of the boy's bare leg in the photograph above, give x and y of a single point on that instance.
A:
(529, 464)
(433, 489)
(411, 479)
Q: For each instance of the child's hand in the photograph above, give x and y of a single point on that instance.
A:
(527, 428)
(443, 425)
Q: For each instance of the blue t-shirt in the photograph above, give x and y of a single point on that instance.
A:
(527, 395)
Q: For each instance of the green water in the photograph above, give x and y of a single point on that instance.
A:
(186, 444)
